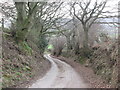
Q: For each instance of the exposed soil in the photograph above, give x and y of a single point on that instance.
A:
(20, 69)
(39, 75)
(93, 80)
(104, 62)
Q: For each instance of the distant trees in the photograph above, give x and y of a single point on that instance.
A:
(74, 34)
(35, 21)
(67, 31)
(42, 22)
(58, 44)
(85, 14)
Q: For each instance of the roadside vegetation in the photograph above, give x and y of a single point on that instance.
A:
(77, 30)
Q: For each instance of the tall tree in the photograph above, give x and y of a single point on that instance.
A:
(24, 15)
(87, 15)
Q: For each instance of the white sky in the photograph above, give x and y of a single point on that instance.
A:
(111, 3)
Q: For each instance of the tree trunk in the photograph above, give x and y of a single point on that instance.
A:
(23, 20)
(21, 16)
(76, 48)
(69, 47)
(85, 41)
(86, 50)
(59, 52)
(2, 24)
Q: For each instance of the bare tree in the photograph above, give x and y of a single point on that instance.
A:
(65, 30)
(58, 43)
(42, 22)
(87, 15)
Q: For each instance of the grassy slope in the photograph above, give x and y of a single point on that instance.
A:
(18, 67)
(103, 62)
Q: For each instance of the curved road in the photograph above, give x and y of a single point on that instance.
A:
(60, 75)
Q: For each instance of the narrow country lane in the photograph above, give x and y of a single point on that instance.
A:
(61, 75)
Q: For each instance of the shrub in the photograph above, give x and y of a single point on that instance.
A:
(25, 47)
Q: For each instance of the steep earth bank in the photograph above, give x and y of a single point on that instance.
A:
(19, 68)
(101, 69)
(104, 62)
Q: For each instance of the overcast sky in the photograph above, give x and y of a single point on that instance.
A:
(111, 3)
